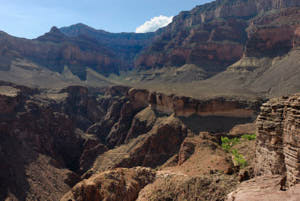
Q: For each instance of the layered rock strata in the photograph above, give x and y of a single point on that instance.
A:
(277, 153)
(215, 34)
(278, 129)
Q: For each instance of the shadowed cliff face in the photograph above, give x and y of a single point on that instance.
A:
(54, 51)
(105, 53)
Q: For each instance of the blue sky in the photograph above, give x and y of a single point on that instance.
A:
(32, 18)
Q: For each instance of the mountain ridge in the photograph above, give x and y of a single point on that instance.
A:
(199, 45)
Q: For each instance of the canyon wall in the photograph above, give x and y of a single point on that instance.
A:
(278, 129)
(185, 106)
(277, 154)
(215, 34)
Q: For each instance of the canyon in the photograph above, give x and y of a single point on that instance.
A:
(51, 140)
(65, 144)
(206, 108)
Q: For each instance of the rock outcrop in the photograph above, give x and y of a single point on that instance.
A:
(120, 184)
(277, 144)
(265, 188)
(277, 153)
(179, 187)
(149, 149)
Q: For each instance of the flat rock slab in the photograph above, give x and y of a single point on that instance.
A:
(264, 188)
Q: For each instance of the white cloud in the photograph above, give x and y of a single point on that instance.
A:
(154, 24)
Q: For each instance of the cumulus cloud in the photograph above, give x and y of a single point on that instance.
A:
(154, 24)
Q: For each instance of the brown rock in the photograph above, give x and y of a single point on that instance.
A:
(264, 188)
(277, 158)
(242, 129)
(150, 149)
(178, 187)
(200, 155)
(273, 34)
(277, 142)
(139, 97)
(213, 35)
(141, 123)
(120, 184)
(92, 148)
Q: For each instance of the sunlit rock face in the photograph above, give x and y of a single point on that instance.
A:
(277, 153)
(277, 144)
(215, 35)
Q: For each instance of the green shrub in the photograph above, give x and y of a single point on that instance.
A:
(227, 143)
(239, 159)
(249, 136)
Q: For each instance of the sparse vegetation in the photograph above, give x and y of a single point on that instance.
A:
(239, 159)
(228, 143)
(249, 136)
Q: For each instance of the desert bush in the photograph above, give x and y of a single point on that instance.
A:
(239, 159)
(249, 136)
(227, 143)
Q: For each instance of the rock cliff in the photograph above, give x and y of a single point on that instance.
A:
(210, 35)
(277, 154)
(277, 144)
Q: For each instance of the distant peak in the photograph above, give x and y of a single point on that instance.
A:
(3, 33)
(54, 29)
(80, 25)
(80, 29)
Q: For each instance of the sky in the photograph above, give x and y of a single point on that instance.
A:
(32, 18)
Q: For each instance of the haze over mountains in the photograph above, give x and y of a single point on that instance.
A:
(262, 36)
